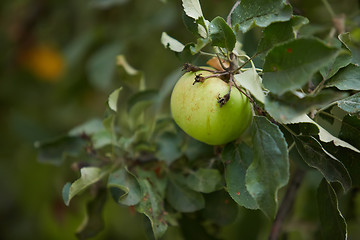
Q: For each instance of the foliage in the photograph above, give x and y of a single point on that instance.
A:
(303, 82)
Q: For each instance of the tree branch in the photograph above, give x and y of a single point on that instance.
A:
(286, 204)
(228, 19)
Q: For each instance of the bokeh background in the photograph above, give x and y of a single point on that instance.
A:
(57, 68)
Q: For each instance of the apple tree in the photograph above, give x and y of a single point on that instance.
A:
(303, 90)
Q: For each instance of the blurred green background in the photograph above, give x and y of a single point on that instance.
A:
(58, 66)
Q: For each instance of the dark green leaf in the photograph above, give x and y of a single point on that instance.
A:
(205, 180)
(152, 201)
(221, 34)
(269, 170)
(306, 129)
(350, 130)
(101, 67)
(290, 65)
(124, 187)
(237, 159)
(94, 221)
(220, 208)
(349, 158)
(182, 198)
(169, 147)
(55, 151)
(259, 12)
(142, 98)
(342, 60)
(89, 176)
(347, 78)
(352, 45)
(139, 102)
(190, 24)
(351, 104)
(288, 106)
(196, 150)
(314, 155)
(107, 3)
(333, 225)
(276, 33)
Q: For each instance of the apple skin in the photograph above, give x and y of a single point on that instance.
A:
(196, 110)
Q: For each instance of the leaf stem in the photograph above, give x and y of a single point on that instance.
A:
(249, 59)
(207, 54)
(329, 8)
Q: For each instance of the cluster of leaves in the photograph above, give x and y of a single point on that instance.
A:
(306, 87)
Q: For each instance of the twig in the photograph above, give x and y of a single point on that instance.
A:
(246, 62)
(228, 19)
(243, 92)
(286, 204)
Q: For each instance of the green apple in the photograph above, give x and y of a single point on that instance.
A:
(196, 110)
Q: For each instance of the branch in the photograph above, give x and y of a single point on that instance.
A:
(228, 19)
(286, 204)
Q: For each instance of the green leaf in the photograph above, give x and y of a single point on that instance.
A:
(351, 104)
(171, 43)
(324, 135)
(129, 75)
(101, 66)
(169, 147)
(182, 198)
(220, 208)
(333, 225)
(204, 180)
(89, 128)
(251, 80)
(152, 201)
(89, 176)
(113, 99)
(289, 106)
(192, 8)
(237, 159)
(290, 65)
(124, 187)
(269, 170)
(221, 34)
(107, 3)
(347, 78)
(314, 155)
(200, 44)
(350, 130)
(55, 151)
(349, 158)
(139, 102)
(342, 60)
(95, 129)
(354, 46)
(190, 24)
(276, 33)
(94, 221)
(260, 13)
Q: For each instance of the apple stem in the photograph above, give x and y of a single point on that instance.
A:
(188, 67)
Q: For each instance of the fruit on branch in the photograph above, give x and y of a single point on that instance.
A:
(198, 108)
